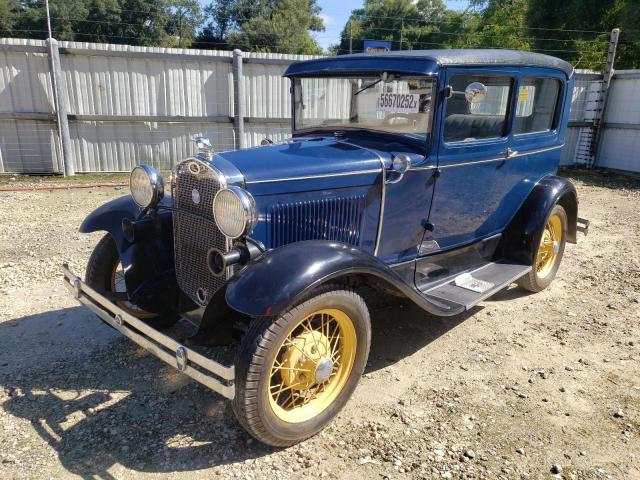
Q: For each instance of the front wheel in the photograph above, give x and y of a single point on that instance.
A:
(549, 253)
(106, 276)
(294, 373)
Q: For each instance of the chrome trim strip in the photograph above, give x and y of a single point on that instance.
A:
(312, 177)
(487, 160)
(424, 167)
(492, 159)
(535, 152)
(165, 348)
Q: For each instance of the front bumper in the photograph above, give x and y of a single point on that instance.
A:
(214, 375)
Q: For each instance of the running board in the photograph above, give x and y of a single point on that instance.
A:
(470, 288)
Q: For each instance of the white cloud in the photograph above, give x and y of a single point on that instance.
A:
(326, 19)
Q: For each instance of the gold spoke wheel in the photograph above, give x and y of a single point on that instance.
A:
(549, 246)
(312, 365)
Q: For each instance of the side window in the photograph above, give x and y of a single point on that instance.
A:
(537, 100)
(483, 118)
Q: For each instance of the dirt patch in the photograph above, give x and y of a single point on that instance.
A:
(520, 387)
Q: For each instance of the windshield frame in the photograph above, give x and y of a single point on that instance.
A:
(421, 137)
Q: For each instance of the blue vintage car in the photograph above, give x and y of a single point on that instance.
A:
(429, 175)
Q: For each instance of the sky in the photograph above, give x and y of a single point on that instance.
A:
(335, 14)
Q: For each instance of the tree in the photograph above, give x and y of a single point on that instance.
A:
(9, 12)
(578, 30)
(502, 24)
(182, 19)
(263, 25)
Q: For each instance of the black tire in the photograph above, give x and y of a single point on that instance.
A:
(102, 263)
(533, 281)
(260, 346)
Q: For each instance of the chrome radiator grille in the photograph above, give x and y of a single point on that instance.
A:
(194, 230)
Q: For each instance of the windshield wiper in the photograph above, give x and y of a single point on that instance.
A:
(367, 87)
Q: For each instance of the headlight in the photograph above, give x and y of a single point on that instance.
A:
(235, 211)
(146, 185)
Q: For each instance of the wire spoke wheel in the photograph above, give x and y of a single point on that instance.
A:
(548, 253)
(312, 365)
(297, 370)
(552, 238)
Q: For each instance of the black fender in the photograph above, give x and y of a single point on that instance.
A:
(280, 278)
(149, 261)
(108, 217)
(522, 235)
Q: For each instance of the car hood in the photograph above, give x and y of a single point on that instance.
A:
(305, 160)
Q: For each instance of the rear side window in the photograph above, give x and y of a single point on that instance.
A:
(537, 101)
(467, 121)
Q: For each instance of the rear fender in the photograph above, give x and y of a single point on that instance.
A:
(522, 235)
(280, 278)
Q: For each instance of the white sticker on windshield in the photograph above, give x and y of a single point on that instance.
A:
(398, 102)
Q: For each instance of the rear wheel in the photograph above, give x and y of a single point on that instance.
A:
(294, 373)
(106, 275)
(549, 253)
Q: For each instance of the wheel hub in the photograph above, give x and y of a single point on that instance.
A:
(323, 370)
(306, 360)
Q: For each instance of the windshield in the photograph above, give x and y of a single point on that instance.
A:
(385, 102)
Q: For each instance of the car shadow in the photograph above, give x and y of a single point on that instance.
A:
(109, 403)
(400, 328)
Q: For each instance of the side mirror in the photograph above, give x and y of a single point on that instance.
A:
(475, 92)
(400, 165)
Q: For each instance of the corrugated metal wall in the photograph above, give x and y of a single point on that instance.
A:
(26, 144)
(621, 143)
(130, 105)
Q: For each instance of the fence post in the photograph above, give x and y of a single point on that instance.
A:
(606, 83)
(60, 102)
(238, 99)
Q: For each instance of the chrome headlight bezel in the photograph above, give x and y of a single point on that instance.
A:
(244, 208)
(154, 186)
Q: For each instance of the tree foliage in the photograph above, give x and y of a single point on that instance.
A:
(576, 30)
(263, 25)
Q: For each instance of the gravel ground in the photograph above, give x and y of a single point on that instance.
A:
(523, 386)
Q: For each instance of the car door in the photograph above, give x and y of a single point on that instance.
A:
(472, 180)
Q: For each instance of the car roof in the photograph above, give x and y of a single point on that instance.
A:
(426, 61)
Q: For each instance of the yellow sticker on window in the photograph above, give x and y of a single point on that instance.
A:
(523, 95)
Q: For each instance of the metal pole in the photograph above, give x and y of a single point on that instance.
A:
(59, 100)
(350, 36)
(238, 100)
(401, 31)
(46, 6)
(606, 83)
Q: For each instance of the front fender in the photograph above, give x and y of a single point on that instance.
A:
(148, 263)
(279, 278)
(108, 218)
(522, 235)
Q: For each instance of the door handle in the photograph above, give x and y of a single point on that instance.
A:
(511, 153)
